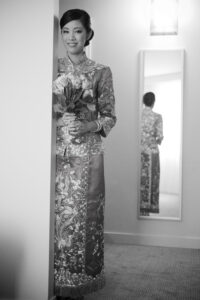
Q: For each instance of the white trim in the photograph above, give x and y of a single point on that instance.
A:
(88, 50)
(181, 142)
(191, 242)
(53, 158)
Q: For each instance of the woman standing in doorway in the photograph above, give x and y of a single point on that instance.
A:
(84, 111)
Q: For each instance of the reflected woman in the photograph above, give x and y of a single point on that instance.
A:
(151, 137)
(84, 111)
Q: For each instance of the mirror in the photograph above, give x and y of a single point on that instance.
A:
(160, 171)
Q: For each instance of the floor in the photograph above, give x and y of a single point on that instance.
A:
(150, 273)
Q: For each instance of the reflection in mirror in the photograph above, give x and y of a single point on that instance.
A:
(161, 93)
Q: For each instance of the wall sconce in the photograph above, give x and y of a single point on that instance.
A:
(164, 17)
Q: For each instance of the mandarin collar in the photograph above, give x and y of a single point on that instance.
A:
(81, 62)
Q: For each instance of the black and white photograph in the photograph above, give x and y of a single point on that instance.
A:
(99, 155)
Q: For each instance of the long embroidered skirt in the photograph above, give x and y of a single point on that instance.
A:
(149, 184)
(79, 219)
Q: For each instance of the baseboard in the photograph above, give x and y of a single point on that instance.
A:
(152, 240)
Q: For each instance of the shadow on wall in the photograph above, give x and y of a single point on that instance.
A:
(10, 263)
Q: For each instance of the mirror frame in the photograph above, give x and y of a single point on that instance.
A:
(141, 92)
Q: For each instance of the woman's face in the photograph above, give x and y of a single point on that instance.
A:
(74, 37)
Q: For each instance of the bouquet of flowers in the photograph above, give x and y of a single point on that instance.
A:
(74, 95)
(68, 92)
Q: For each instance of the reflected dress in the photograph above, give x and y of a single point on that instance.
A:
(80, 190)
(151, 136)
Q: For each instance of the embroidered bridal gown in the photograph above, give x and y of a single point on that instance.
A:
(151, 136)
(80, 191)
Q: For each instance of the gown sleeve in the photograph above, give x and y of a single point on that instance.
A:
(106, 102)
(159, 129)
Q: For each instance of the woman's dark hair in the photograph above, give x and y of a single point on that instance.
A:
(82, 16)
(149, 99)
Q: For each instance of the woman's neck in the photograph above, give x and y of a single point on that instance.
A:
(76, 58)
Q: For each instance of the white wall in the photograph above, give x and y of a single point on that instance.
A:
(121, 31)
(26, 56)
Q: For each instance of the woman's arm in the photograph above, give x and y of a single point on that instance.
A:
(106, 102)
(105, 106)
(159, 130)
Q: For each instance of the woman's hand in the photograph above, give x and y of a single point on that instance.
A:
(159, 140)
(78, 128)
(66, 119)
